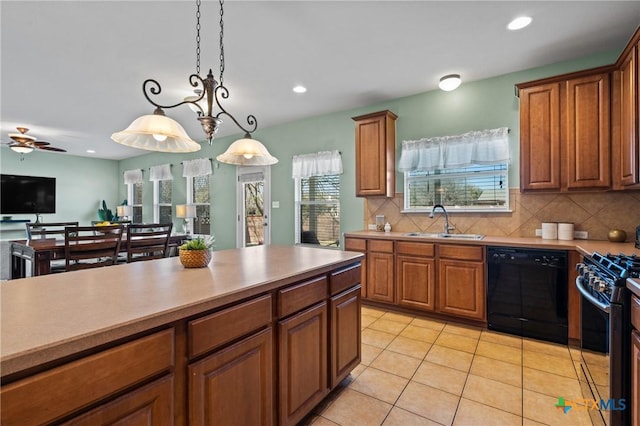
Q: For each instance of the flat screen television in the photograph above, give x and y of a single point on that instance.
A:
(27, 194)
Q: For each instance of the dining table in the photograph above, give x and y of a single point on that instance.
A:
(40, 252)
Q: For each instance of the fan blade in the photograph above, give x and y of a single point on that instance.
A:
(40, 143)
(52, 148)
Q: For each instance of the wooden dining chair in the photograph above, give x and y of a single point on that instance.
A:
(148, 241)
(91, 246)
(47, 230)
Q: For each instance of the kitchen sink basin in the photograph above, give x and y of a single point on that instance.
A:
(445, 236)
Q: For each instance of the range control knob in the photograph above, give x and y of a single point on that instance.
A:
(602, 286)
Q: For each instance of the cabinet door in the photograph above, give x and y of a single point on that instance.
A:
(234, 386)
(635, 377)
(380, 277)
(344, 315)
(540, 138)
(147, 406)
(416, 280)
(302, 341)
(358, 244)
(624, 159)
(586, 142)
(461, 290)
(375, 154)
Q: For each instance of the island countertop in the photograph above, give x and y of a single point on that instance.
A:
(49, 317)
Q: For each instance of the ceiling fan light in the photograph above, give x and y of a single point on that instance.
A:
(247, 152)
(21, 137)
(147, 131)
(450, 82)
(21, 149)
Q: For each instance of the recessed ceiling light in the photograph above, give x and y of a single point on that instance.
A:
(519, 23)
(91, 151)
(299, 89)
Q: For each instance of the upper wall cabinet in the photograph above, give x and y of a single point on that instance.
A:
(624, 131)
(376, 154)
(565, 133)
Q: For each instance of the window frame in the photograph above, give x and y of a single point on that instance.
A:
(156, 200)
(297, 210)
(189, 200)
(130, 199)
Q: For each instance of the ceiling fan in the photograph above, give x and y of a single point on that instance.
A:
(24, 144)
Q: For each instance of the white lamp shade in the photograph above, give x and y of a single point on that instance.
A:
(22, 149)
(125, 210)
(185, 211)
(155, 132)
(247, 152)
(450, 82)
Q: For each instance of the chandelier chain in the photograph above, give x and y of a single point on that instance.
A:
(198, 37)
(221, 43)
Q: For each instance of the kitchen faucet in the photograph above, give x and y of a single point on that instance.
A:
(447, 228)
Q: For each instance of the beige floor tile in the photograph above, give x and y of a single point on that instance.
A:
(529, 422)
(376, 338)
(355, 408)
(541, 408)
(420, 333)
(501, 338)
(400, 417)
(358, 370)
(429, 402)
(497, 370)
(495, 394)
(413, 348)
(374, 312)
(429, 323)
(457, 341)
(550, 384)
(463, 330)
(395, 363)
(548, 348)
(549, 363)
(384, 386)
(369, 353)
(499, 352)
(366, 320)
(440, 377)
(321, 421)
(576, 354)
(397, 317)
(471, 413)
(388, 326)
(449, 358)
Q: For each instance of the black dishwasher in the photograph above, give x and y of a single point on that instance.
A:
(527, 292)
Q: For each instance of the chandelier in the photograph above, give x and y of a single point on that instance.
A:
(157, 132)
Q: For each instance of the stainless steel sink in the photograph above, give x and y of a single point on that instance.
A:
(447, 236)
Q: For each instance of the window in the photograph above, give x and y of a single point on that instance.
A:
(133, 180)
(472, 188)
(162, 191)
(318, 210)
(199, 192)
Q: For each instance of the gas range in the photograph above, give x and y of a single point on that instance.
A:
(604, 276)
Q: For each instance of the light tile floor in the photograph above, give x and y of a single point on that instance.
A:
(419, 371)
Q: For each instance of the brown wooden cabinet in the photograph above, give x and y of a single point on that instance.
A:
(375, 154)
(635, 377)
(565, 133)
(359, 245)
(344, 335)
(380, 271)
(416, 275)
(461, 282)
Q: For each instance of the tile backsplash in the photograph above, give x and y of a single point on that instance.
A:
(596, 213)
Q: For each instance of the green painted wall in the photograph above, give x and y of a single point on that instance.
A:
(490, 103)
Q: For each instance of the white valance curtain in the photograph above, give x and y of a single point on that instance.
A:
(321, 163)
(161, 172)
(133, 176)
(198, 167)
(477, 147)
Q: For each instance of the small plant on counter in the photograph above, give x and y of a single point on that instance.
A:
(200, 243)
(196, 253)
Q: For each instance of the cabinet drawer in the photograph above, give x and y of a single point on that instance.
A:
(635, 312)
(229, 324)
(355, 244)
(345, 278)
(412, 248)
(381, 246)
(65, 389)
(451, 251)
(300, 296)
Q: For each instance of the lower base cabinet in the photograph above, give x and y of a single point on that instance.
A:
(234, 386)
(302, 341)
(344, 317)
(461, 289)
(416, 280)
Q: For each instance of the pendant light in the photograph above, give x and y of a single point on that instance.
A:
(157, 132)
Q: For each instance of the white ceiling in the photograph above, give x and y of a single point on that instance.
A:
(72, 71)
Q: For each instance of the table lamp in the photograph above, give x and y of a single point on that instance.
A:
(186, 212)
(124, 211)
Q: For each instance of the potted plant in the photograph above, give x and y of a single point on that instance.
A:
(196, 253)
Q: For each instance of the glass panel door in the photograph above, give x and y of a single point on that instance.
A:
(253, 206)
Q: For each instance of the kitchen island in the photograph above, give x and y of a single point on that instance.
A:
(260, 336)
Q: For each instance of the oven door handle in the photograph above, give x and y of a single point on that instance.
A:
(598, 304)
